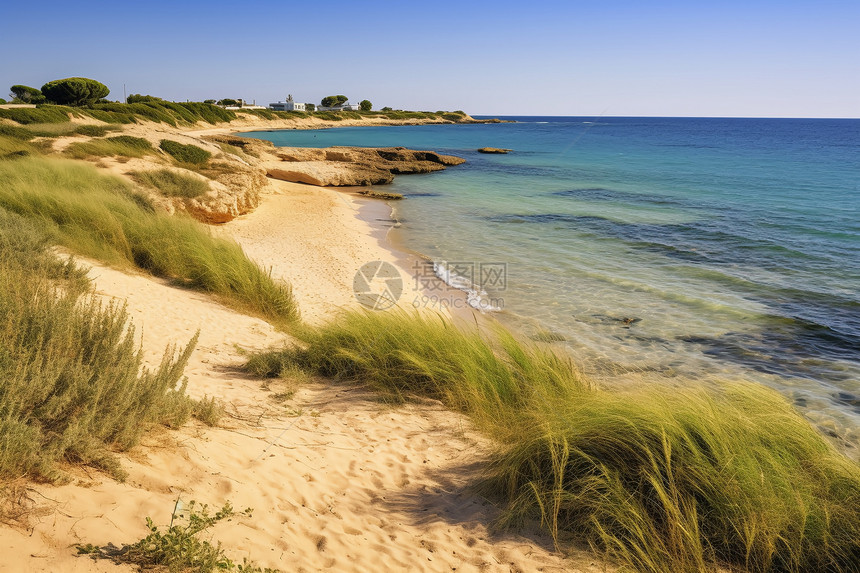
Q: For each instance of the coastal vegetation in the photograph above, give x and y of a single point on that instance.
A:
(185, 153)
(658, 479)
(26, 94)
(73, 386)
(172, 183)
(74, 91)
(101, 216)
(180, 547)
(122, 145)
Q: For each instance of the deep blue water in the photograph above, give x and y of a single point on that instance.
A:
(672, 248)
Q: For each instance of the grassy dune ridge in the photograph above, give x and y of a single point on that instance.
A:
(100, 216)
(657, 479)
(188, 113)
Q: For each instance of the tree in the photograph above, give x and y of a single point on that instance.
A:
(310, 107)
(365, 105)
(386, 108)
(209, 101)
(74, 91)
(26, 94)
(229, 102)
(333, 101)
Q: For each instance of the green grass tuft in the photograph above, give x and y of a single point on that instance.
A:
(657, 479)
(120, 145)
(172, 183)
(98, 216)
(183, 153)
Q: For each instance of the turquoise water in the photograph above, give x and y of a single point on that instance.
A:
(658, 249)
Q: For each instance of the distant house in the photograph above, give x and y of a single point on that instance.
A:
(289, 105)
(346, 106)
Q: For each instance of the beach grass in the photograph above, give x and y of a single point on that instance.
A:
(171, 113)
(185, 153)
(172, 183)
(100, 216)
(657, 479)
(73, 388)
(119, 145)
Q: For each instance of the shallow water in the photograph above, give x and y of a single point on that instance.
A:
(663, 248)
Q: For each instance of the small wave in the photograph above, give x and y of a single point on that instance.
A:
(476, 296)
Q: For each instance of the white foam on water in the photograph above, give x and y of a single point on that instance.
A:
(476, 296)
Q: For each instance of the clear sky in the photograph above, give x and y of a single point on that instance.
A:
(600, 57)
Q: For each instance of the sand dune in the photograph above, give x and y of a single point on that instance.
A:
(338, 481)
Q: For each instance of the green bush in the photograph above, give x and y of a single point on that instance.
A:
(172, 183)
(98, 216)
(73, 386)
(185, 153)
(365, 105)
(74, 91)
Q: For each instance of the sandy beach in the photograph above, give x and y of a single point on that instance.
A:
(338, 481)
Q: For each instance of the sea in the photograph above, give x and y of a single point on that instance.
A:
(654, 250)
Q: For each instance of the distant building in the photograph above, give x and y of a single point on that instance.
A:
(288, 105)
(342, 107)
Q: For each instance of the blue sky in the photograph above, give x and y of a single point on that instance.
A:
(752, 58)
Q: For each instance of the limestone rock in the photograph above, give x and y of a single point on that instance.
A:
(356, 166)
(494, 150)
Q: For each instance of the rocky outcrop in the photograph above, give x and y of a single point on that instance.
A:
(330, 174)
(494, 150)
(232, 193)
(355, 166)
(253, 147)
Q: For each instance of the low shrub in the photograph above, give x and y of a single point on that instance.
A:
(329, 115)
(94, 130)
(73, 386)
(39, 114)
(179, 548)
(121, 145)
(172, 183)
(185, 153)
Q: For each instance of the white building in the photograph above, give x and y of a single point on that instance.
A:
(288, 105)
(342, 107)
